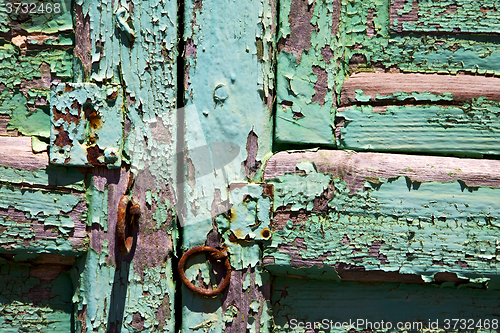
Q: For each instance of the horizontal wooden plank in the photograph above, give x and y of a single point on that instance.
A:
(36, 296)
(35, 221)
(389, 87)
(452, 16)
(366, 212)
(468, 130)
(356, 168)
(16, 152)
(370, 306)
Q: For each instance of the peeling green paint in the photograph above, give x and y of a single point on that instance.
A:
(145, 70)
(97, 202)
(453, 16)
(23, 307)
(320, 44)
(394, 225)
(46, 210)
(307, 71)
(86, 125)
(341, 302)
(415, 52)
(403, 96)
(34, 202)
(50, 176)
(222, 108)
(470, 129)
(102, 287)
(250, 214)
(43, 17)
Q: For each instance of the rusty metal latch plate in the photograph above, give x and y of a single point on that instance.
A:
(86, 125)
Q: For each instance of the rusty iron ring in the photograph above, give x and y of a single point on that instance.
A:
(124, 220)
(214, 255)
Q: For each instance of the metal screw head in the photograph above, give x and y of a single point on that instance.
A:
(110, 155)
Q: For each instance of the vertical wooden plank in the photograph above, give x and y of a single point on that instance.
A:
(42, 208)
(229, 84)
(308, 70)
(133, 44)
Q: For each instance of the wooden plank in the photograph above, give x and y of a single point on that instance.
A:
(35, 221)
(229, 93)
(135, 45)
(454, 16)
(36, 296)
(356, 168)
(306, 69)
(373, 213)
(468, 130)
(384, 88)
(16, 152)
(361, 307)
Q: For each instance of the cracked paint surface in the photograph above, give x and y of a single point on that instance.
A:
(37, 221)
(321, 44)
(32, 300)
(293, 298)
(466, 130)
(455, 16)
(308, 49)
(392, 225)
(132, 45)
(86, 125)
(229, 98)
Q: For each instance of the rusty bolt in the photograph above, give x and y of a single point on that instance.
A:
(110, 155)
(266, 233)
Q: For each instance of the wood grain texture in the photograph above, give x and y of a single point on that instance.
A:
(16, 152)
(456, 16)
(4, 120)
(356, 168)
(379, 85)
(383, 217)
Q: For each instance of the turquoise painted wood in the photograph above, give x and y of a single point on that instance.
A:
(374, 236)
(106, 73)
(190, 107)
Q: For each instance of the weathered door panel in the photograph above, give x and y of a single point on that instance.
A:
(61, 269)
(42, 207)
(379, 306)
(384, 76)
(365, 43)
(132, 45)
(395, 215)
(229, 92)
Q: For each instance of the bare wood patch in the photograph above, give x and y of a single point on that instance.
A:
(16, 152)
(4, 121)
(356, 168)
(461, 87)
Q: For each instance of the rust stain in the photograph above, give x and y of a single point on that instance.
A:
(62, 138)
(66, 116)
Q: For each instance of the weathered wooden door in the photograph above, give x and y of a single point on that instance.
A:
(88, 99)
(343, 154)
(393, 223)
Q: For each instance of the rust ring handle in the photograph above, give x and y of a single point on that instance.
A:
(125, 240)
(214, 255)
